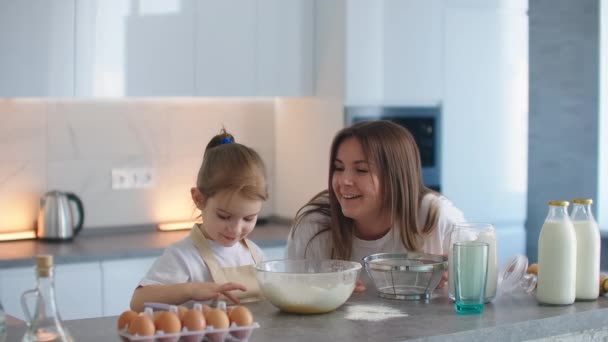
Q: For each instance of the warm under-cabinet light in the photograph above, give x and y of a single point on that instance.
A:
(176, 225)
(22, 235)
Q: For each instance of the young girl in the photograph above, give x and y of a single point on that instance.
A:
(216, 258)
(376, 200)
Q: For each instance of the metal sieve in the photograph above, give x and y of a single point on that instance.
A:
(407, 276)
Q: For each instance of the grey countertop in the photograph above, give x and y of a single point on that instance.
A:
(118, 243)
(366, 317)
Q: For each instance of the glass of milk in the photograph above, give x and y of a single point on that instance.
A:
(481, 232)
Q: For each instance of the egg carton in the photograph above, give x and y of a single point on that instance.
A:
(233, 333)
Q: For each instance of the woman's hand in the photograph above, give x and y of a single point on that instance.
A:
(206, 290)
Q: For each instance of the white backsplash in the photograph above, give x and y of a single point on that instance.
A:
(72, 145)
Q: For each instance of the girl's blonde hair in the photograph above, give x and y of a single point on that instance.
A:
(393, 150)
(228, 165)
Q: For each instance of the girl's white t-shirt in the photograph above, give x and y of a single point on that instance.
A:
(298, 246)
(182, 262)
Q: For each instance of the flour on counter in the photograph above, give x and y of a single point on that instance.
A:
(372, 313)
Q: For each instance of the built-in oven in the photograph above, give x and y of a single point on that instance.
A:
(422, 122)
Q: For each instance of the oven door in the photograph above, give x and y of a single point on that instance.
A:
(422, 122)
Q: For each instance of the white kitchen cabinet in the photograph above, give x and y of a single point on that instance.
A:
(13, 282)
(120, 278)
(413, 47)
(394, 52)
(225, 48)
(364, 51)
(37, 44)
(77, 289)
(254, 48)
(485, 110)
(284, 50)
(135, 48)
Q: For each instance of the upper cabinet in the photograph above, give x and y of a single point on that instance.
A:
(117, 48)
(394, 52)
(135, 48)
(226, 47)
(413, 31)
(284, 51)
(37, 44)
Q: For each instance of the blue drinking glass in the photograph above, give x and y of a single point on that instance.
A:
(470, 276)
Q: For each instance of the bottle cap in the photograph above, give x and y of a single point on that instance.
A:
(559, 203)
(44, 261)
(583, 201)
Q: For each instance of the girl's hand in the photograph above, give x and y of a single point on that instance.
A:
(444, 280)
(359, 287)
(444, 277)
(206, 291)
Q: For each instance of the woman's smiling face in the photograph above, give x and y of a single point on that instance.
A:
(355, 182)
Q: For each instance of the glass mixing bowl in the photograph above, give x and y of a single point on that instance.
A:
(307, 286)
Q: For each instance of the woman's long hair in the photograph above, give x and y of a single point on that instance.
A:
(394, 152)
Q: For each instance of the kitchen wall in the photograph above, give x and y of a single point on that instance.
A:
(304, 131)
(72, 145)
(564, 114)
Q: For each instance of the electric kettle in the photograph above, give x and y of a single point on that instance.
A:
(56, 219)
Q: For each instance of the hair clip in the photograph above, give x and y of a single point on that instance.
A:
(226, 141)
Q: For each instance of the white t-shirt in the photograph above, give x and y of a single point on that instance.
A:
(320, 247)
(182, 262)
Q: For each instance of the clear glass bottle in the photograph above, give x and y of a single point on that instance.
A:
(45, 323)
(587, 249)
(557, 257)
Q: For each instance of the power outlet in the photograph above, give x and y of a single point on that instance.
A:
(133, 178)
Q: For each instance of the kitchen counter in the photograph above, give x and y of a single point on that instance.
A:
(118, 243)
(366, 317)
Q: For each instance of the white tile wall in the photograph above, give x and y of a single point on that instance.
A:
(72, 145)
(22, 161)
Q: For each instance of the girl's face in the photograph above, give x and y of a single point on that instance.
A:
(227, 217)
(355, 182)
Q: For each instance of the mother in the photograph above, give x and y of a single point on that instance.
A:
(375, 202)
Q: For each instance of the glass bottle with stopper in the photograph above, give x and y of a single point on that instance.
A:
(44, 323)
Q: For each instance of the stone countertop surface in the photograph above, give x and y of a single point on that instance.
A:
(365, 317)
(118, 243)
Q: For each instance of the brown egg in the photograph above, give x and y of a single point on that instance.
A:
(125, 318)
(156, 314)
(217, 318)
(533, 269)
(206, 309)
(603, 284)
(194, 320)
(181, 310)
(141, 325)
(168, 322)
(241, 316)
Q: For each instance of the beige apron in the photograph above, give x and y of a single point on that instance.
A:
(244, 275)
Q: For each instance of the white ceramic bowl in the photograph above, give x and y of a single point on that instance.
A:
(307, 286)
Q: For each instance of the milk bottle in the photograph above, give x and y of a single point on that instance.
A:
(557, 257)
(587, 250)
